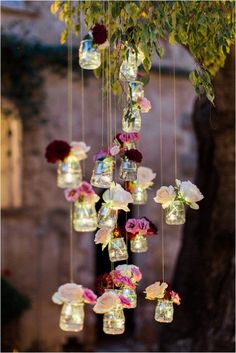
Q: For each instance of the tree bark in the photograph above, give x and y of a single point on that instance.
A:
(204, 275)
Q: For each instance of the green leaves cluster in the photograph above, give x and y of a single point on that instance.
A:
(205, 28)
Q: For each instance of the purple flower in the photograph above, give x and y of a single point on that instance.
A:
(101, 155)
(89, 296)
(143, 226)
(132, 226)
(85, 188)
(71, 195)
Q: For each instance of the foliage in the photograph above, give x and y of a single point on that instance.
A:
(205, 28)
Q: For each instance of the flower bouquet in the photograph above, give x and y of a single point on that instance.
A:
(165, 300)
(85, 215)
(173, 199)
(138, 230)
(69, 173)
(73, 297)
(131, 120)
(138, 188)
(102, 175)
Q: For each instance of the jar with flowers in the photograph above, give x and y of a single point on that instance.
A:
(139, 187)
(102, 175)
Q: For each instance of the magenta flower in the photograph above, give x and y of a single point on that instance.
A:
(85, 188)
(137, 275)
(101, 155)
(71, 195)
(143, 225)
(89, 296)
(129, 136)
(125, 302)
(122, 281)
(132, 226)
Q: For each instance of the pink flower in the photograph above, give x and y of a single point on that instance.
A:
(70, 292)
(71, 195)
(144, 104)
(137, 275)
(175, 297)
(132, 226)
(129, 136)
(143, 225)
(101, 155)
(106, 302)
(125, 302)
(122, 281)
(89, 296)
(85, 188)
(114, 150)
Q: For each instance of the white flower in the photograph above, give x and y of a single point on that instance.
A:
(103, 236)
(106, 302)
(125, 270)
(70, 292)
(118, 197)
(80, 149)
(56, 298)
(190, 193)
(114, 150)
(145, 176)
(156, 290)
(165, 195)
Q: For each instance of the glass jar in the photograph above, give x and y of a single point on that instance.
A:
(131, 295)
(102, 174)
(164, 311)
(114, 321)
(107, 216)
(140, 195)
(175, 213)
(69, 174)
(85, 216)
(139, 244)
(128, 170)
(72, 316)
(131, 121)
(136, 90)
(89, 56)
(117, 250)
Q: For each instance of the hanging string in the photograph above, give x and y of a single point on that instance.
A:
(174, 106)
(70, 128)
(161, 175)
(103, 68)
(82, 95)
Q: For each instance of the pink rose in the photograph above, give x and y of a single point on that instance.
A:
(71, 195)
(175, 297)
(143, 225)
(85, 188)
(122, 281)
(89, 296)
(129, 136)
(125, 302)
(136, 274)
(144, 104)
(132, 226)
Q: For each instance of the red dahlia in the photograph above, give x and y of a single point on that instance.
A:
(99, 34)
(57, 150)
(134, 155)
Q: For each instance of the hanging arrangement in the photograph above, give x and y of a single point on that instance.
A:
(139, 187)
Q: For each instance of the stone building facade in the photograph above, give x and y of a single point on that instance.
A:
(35, 231)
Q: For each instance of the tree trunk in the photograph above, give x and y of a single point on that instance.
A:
(204, 275)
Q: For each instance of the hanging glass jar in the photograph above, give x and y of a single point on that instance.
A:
(131, 295)
(175, 213)
(131, 121)
(85, 216)
(114, 320)
(139, 195)
(117, 249)
(107, 216)
(139, 244)
(164, 311)
(136, 90)
(129, 67)
(128, 170)
(72, 316)
(69, 174)
(102, 174)
(89, 56)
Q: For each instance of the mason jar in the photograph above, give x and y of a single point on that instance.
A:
(102, 175)
(136, 90)
(128, 170)
(139, 195)
(72, 316)
(107, 216)
(114, 321)
(85, 216)
(89, 56)
(69, 173)
(139, 244)
(131, 120)
(131, 295)
(164, 311)
(117, 250)
(175, 213)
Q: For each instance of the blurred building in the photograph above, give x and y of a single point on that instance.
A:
(35, 227)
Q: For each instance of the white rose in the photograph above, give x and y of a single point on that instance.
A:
(106, 302)
(190, 193)
(114, 150)
(125, 270)
(156, 290)
(80, 149)
(70, 292)
(118, 197)
(165, 195)
(145, 176)
(103, 236)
